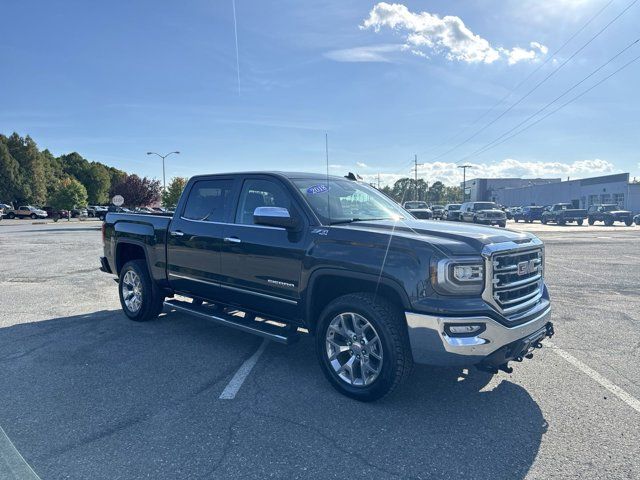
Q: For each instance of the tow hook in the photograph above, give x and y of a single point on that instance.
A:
(550, 330)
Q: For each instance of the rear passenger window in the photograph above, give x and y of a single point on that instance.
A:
(208, 201)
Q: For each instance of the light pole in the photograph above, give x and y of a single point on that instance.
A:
(164, 181)
(464, 181)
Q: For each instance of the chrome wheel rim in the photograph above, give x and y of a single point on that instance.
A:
(132, 291)
(354, 349)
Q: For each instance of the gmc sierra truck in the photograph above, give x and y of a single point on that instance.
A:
(562, 213)
(287, 254)
(609, 213)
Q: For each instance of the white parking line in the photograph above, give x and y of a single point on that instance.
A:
(11, 459)
(230, 391)
(613, 388)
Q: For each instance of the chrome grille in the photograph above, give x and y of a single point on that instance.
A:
(516, 279)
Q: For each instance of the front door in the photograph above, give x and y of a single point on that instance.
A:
(261, 265)
(195, 238)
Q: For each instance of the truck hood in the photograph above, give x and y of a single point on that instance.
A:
(620, 212)
(490, 210)
(451, 238)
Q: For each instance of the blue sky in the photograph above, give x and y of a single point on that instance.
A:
(113, 80)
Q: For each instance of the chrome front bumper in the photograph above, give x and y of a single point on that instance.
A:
(431, 345)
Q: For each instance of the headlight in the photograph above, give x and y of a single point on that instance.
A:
(462, 276)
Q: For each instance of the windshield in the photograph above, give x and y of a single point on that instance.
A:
(413, 205)
(484, 206)
(609, 208)
(453, 207)
(340, 201)
(438, 207)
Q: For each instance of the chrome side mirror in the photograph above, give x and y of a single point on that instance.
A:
(274, 217)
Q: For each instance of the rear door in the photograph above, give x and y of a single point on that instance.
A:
(261, 265)
(195, 237)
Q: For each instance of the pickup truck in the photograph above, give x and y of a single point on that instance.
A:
(609, 213)
(562, 213)
(288, 254)
(529, 214)
(483, 212)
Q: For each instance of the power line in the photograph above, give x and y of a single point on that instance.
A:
(553, 72)
(564, 104)
(573, 87)
(524, 80)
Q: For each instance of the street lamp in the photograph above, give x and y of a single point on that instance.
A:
(164, 181)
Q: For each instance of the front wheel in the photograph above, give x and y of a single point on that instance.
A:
(628, 222)
(503, 224)
(591, 221)
(33, 216)
(363, 346)
(608, 222)
(580, 222)
(140, 298)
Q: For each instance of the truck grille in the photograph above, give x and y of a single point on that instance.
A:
(516, 279)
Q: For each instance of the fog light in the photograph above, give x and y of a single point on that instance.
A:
(464, 330)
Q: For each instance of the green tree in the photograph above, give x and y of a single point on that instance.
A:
(10, 179)
(97, 182)
(32, 169)
(407, 189)
(172, 194)
(138, 192)
(436, 192)
(70, 193)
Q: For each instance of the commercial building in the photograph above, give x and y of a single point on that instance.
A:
(581, 193)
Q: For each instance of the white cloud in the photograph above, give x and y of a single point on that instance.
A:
(450, 174)
(361, 165)
(370, 53)
(447, 35)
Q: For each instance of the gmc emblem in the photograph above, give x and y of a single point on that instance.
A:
(526, 267)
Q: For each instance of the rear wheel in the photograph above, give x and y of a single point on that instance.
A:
(608, 222)
(628, 222)
(591, 221)
(544, 221)
(561, 222)
(140, 298)
(580, 221)
(33, 216)
(363, 346)
(11, 216)
(503, 224)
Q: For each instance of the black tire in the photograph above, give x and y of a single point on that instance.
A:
(197, 302)
(11, 215)
(580, 222)
(152, 298)
(389, 323)
(475, 219)
(591, 221)
(562, 222)
(608, 222)
(544, 221)
(503, 224)
(628, 222)
(33, 216)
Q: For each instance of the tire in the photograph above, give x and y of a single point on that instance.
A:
(475, 220)
(628, 222)
(580, 222)
(151, 300)
(608, 222)
(562, 222)
(502, 224)
(591, 221)
(33, 216)
(11, 216)
(544, 221)
(386, 323)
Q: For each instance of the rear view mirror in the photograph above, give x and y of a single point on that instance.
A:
(274, 217)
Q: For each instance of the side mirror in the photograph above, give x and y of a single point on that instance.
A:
(275, 217)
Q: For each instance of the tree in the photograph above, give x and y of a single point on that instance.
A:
(70, 193)
(405, 189)
(436, 192)
(138, 192)
(10, 180)
(97, 181)
(26, 153)
(172, 194)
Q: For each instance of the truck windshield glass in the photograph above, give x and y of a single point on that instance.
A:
(415, 205)
(484, 206)
(341, 201)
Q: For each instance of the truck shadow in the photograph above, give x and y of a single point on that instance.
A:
(98, 396)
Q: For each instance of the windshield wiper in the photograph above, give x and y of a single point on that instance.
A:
(351, 220)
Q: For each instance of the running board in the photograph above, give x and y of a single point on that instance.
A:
(286, 335)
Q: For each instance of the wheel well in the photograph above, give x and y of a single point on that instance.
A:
(125, 252)
(329, 287)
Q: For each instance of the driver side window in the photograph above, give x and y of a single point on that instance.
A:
(260, 193)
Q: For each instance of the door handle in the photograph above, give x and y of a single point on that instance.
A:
(176, 233)
(232, 240)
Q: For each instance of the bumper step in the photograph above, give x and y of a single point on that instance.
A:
(287, 334)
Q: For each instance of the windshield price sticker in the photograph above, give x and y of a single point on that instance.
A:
(316, 189)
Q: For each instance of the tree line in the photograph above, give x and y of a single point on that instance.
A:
(407, 189)
(32, 176)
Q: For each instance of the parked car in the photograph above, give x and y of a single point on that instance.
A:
(562, 213)
(452, 212)
(609, 213)
(288, 252)
(529, 214)
(79, 212)
(7, 210)
(56, 214)
(438, 211)
(29, 211)
(97, 211)
(486, 213)
(419, 210)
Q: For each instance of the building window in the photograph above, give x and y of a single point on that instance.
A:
(593, 200)
(605, 198)
(619, 199)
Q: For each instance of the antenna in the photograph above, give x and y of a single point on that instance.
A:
(326, 150)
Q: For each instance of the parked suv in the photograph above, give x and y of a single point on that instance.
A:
(483, 212)
(438, 211)
(609, 213)
(529, 214)
(29, 211)
(376, 288)
(561, 213)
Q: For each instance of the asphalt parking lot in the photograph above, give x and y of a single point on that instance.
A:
(85, 393)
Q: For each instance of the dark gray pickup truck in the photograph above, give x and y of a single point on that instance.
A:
(283, 254)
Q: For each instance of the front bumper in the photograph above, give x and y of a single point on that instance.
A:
(430, 343)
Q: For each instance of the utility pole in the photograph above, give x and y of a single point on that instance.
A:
(164, 181)
(464, 181)
(415, 174)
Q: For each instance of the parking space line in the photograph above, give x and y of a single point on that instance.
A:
(10, 458)
(230, 391)
(613, 388)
